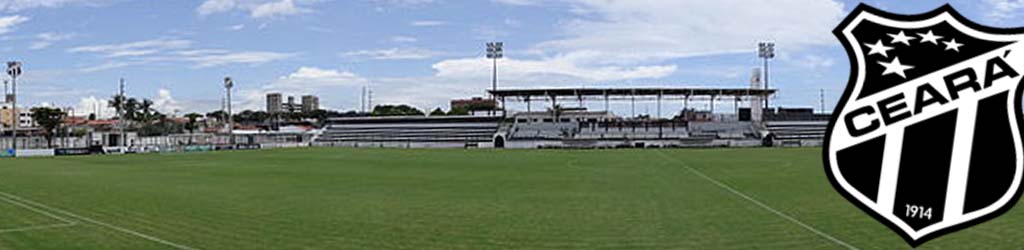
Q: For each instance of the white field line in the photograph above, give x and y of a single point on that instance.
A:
(64, 222)
(33, 209)
(34, 228)
(100, 223)
(758, 203)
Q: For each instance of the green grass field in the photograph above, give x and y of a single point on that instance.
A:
(327, 198)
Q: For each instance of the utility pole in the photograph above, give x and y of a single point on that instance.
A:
(14, 70)
(495, 51)
(766, 50)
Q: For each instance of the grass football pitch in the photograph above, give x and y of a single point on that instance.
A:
(331, 198)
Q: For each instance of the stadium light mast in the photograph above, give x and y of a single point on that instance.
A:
(766, 50)
(121, 112)
(6, 100)
(228, 84)
(14, 70)
(495, 51)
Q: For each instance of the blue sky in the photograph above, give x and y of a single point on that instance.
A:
(424, 52)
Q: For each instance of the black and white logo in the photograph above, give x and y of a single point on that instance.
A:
(927, 135)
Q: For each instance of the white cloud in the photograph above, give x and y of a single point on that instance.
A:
(517, 2)
(244, 57)
(407, 3)
(404, 39)
(310, 78)
(110, 65)
(18, 5)
(165, 103)
(45, 40)
(7, 23)
(427, 23)
(172, 50)
(215, 6)
(560, 66)
(139, 48)
(394, 54)
(330, 84)
(237, 27)
(282, 8)
(624, 32)
(1004, 10)
(256, 8)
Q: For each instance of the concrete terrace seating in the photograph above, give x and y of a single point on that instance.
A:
(543, 131)
(612, 130)
(634, 130)
(798, 130)
(469, 129)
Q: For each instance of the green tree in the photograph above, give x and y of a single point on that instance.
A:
(320, 114)
(193, 122)
(147, 113)
(161, 127)
(219, 115)
(48, 119)
(117, 102)
(437, 112)
(131, 109)
(252, 117)
(458, 111)
(396, 110)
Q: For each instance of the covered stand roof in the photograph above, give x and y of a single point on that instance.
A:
(580, 92)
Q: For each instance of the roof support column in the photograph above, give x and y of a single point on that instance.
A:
(712, 102)
(686, 102)
(632, 103)
(606, 101)
(659, 104)
(527, 104)
(736, 105)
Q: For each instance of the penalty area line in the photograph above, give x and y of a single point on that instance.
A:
(96, 222)
(756, 202)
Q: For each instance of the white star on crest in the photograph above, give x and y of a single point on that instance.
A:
(901, 38)
(895, 67)
(953, 45)
(929, 37)
(878, 48)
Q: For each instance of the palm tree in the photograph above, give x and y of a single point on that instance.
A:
(146, 108)
(117, 102)
(131, 109)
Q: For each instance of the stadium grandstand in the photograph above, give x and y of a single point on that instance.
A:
(556, 125)
(413, 132)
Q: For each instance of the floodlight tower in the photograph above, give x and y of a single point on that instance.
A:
(121, 124)
(228, 84)
(6, 100)
(766, 50)
(495, 51)
(14, 70)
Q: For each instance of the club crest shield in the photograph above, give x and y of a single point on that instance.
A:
(927, 135)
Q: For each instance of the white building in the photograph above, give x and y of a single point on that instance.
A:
(7, 117)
